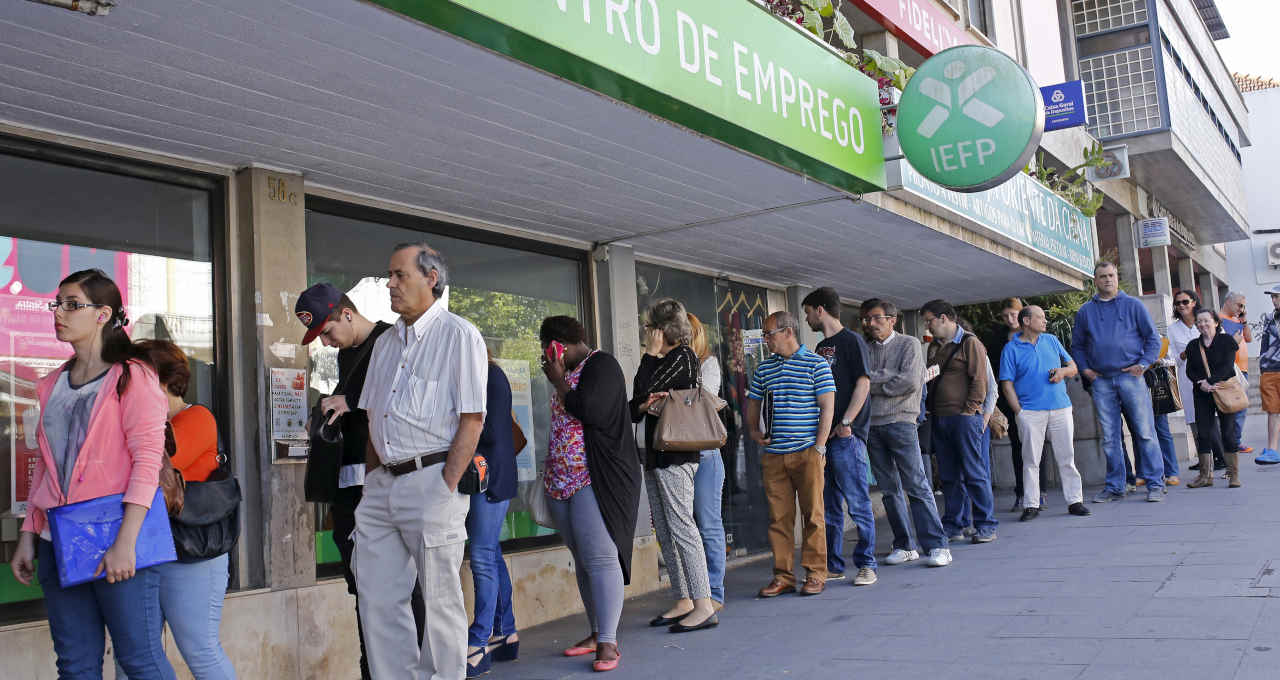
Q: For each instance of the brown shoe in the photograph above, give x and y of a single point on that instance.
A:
(775, 588)
(813, 586)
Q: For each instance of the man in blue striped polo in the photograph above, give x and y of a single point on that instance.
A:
(801, 395)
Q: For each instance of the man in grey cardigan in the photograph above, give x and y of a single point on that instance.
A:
(895, 365)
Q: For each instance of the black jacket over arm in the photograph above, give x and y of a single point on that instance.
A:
(678, 370)
(1222, 359)
(496, 439)
(600, 402)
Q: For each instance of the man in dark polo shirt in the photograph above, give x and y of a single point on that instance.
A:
(332, 317)
(846, 467)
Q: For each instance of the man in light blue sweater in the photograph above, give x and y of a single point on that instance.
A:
(1114, 341)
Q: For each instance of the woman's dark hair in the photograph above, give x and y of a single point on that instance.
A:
(1216, 320)
(171, 365)
(1195, 303)
(117, 348)
(565, 329)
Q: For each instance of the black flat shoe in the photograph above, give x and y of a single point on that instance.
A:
(711, 622)
(502, 649)
(1079, 510)
(1029, 514)
(661, 620)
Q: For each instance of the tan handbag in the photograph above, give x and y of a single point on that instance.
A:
(690, 421)
(1229, 395)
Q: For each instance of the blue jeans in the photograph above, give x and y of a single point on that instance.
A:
(1167, 449)
(1235, 444)
(78, 615)
(191, 595)
(966, 477)
(708, 492)
(966, 514)
(493, 615)
(846, 483)
(894, 450)
(1128, 395)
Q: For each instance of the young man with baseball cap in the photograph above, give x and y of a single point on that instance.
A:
(332, 317)
(1269, 363)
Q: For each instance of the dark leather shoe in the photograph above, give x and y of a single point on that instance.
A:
(661, 620)
(1079, 509)
(776, 588)
(710, 622)
(1029, 514)
(813, 586)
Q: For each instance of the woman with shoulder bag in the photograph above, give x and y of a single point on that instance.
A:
(708, 482)
(670, 364)
(191, 590)
(1211, 362)
(591, 477)
(492, 636)
(109, 384)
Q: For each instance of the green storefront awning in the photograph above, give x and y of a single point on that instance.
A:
(727, 69)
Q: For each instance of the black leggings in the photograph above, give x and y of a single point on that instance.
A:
(1212, 427)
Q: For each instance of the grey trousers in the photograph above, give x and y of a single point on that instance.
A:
(595, 560)
(671, 502)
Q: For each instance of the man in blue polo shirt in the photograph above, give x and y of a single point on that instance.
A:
(1033, 367)
(802, 392)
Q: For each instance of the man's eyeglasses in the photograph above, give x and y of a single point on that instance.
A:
(876, 318)
(770, 334)
(70, 305)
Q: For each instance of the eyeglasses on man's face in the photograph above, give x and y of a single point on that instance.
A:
(770, 334)
(70, 305)
(876, 318)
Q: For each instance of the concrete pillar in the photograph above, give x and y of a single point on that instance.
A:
(1129, 265)
(617, 305)
(1160, 268)
(1209, 292)
(911, 323)
(272, 222)
(795, 294)
(883, 42)
(1186, 274)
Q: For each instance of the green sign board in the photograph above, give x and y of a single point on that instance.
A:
(970, 118)
(725, 68)
(1021, 209)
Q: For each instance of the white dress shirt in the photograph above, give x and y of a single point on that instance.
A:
(421, 378)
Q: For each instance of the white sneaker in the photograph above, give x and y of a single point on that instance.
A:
(898, 556)
(866, 576)
(938, 557)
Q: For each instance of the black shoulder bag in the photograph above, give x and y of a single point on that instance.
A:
(324, 456)
(209, 523)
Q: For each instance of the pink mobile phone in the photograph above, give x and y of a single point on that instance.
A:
(555, 350)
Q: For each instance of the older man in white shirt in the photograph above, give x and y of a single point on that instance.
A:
(425, 396)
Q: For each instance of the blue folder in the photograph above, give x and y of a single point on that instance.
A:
(83, 532)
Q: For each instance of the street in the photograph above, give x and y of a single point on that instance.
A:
(1180, 589)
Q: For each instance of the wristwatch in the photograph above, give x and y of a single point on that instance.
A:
(822, 448)
(846, 423)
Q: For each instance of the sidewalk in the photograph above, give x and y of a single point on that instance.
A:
(1180, 589)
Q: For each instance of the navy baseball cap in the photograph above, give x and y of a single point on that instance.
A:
(314, 307)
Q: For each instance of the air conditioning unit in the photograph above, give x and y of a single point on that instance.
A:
(1273, 254)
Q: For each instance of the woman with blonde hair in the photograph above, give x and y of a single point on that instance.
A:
(708, 482)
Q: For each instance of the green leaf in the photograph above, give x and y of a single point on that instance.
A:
(812, 21)
(825, 8)
(845, 32)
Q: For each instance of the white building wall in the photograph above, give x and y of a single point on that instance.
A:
(1247, 260)
(1044, 49)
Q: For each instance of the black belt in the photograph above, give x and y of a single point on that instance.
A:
(404, 467)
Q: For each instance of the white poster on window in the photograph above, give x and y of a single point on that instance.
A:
(520, 376)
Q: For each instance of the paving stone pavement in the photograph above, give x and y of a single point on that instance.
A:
(1187, 588)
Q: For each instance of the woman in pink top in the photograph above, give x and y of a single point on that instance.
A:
(101, 432)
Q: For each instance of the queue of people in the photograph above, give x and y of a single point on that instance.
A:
(417, 400)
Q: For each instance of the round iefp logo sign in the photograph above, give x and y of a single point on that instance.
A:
(970, 118)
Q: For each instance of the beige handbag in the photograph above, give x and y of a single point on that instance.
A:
(1229, 395)
(690, 421)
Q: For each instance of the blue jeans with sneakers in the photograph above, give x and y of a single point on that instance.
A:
(966, 477)
(846, 483)
(1128, 395)
(966, 513)
(894, 451)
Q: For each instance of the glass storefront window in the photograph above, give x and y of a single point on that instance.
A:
(152, 238)
(733, 315)
(504, 291)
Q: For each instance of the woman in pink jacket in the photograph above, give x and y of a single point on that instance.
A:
(101, 432)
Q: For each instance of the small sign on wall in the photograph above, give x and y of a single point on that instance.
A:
(288, 403)
(1153, 232)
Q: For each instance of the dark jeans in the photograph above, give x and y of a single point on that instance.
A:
(78, 615)
(894, 450)
(1213, 429)
(957, 445)
(344, 524)
(846, 484)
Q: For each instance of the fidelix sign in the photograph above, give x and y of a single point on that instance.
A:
(970, 118)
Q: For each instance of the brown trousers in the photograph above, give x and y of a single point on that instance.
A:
(786, 477)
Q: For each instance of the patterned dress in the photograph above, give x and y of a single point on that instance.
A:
(566, 464)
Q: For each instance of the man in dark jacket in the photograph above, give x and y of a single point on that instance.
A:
(332, 317)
